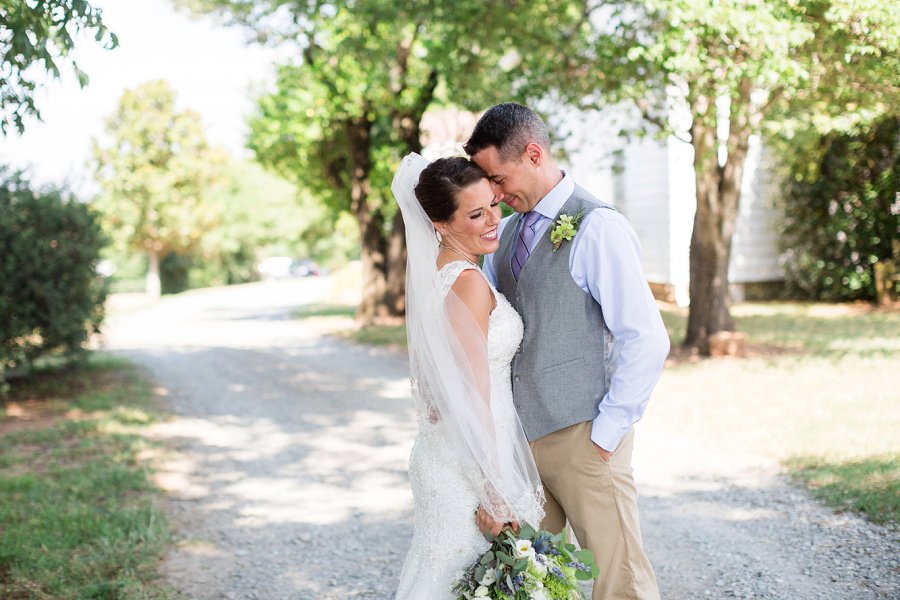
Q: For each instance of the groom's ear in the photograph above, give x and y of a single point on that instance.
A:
(534, 153)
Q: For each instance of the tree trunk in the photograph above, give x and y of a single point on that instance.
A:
(407, 126)
(373, 253)
(395, 300)
(153, 284)
(718, 196)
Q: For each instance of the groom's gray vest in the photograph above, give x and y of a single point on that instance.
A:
(563, 367)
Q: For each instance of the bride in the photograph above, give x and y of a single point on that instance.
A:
(470, 469)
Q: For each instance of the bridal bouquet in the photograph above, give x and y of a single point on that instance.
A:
(530, 565)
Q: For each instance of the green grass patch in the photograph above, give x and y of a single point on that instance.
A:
(325, 310)
(378, 335)
(79, 515)
(870, 486)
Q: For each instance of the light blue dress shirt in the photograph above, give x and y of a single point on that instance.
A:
(605, 262)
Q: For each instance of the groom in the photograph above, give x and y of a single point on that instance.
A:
(593, 349)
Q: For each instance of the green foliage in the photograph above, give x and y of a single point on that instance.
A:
(826, 62)
(261, 215)
(716, 73)
(344, 113)
(174, 273)
(51, 298)
(154, 172)
(40, 34)
(78, 509)
(841, 212)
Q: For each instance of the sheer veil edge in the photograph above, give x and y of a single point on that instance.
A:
(450, 374)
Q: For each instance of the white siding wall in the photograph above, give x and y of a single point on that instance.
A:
(633, 177)
(588, 146)
(682, 206)
(754, 249)
(645, 186)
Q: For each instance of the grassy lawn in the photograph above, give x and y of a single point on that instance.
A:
(79, 515)
(378, 335)
(375, 335)
(308, 311)
(818, 393)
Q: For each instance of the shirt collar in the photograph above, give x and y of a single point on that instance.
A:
(552, 203)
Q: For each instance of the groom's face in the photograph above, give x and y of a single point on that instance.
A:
(515, 182)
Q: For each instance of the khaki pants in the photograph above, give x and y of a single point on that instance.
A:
(599, 500)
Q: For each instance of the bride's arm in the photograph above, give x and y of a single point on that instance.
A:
(475, 294)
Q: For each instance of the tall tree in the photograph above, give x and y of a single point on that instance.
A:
(153, 173)
(41, 33)
(715, 74)
(352, 105)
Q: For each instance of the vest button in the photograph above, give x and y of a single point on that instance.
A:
(517, 378)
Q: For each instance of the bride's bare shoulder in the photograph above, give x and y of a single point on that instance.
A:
(472, 288)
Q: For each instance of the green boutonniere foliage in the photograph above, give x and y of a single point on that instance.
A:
(564, 229)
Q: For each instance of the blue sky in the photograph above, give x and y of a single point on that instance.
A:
(212, 68)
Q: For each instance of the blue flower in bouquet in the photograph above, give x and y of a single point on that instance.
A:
(541, 543)
(578, 566)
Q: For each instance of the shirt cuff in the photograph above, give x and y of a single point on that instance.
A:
(607, 434)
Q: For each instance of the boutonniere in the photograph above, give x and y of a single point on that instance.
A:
(564, 229)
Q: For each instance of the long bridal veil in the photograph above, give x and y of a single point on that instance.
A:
(450, 372)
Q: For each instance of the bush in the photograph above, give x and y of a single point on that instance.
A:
(174, 271)
(841, 214)
(51, 298)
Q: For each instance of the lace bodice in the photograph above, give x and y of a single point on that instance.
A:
(505, 325)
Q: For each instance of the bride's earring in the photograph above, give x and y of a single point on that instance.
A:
(437, 234)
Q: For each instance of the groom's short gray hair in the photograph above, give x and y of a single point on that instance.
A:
(509, 127)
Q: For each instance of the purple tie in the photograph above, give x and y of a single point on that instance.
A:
(524, 243)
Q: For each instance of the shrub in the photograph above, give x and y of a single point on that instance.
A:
(51, 297)
(842, 212)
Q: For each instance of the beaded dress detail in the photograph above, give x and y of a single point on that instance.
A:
(445, 538)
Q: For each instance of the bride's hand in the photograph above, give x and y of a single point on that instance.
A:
(487, 524)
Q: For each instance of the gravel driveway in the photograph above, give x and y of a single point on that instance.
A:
(289, 475)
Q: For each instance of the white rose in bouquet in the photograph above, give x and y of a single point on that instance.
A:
(523, 549)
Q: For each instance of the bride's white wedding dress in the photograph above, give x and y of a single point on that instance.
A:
(445, 538)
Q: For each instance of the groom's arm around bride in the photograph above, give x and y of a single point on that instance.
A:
(594, 343)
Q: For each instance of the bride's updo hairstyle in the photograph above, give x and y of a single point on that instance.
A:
(441, 181)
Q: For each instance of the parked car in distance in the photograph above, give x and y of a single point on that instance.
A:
(281, 267)
(305, 268)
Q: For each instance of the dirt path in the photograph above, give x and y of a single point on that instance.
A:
(290, 475)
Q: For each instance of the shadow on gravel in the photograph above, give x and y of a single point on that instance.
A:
(289, 475)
